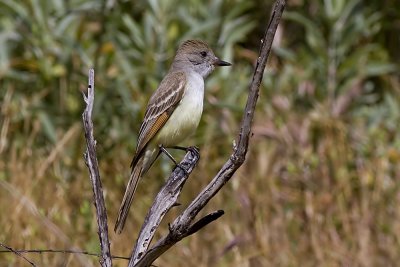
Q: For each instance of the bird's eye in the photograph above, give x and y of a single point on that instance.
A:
(203, 53)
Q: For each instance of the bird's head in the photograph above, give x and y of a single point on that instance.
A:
(197, 55)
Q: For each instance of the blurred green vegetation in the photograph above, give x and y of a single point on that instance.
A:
(321, 185)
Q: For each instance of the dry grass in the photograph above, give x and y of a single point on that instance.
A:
(302, 198)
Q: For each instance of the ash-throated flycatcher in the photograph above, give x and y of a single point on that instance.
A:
(173, 112)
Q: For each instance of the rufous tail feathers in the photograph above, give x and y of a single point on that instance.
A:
(128, 197)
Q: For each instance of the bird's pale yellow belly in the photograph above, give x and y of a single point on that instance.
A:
(186, 117)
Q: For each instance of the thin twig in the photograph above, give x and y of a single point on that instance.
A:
(50, 226)
(183, 225)
(63, 251)
(93, 166)
(205, 221)
(17, 253)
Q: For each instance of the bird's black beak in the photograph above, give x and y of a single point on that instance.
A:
(219, 62)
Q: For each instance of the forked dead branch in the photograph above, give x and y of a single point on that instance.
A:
(93, 166)
(184, 224)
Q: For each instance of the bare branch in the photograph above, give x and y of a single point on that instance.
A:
(209, 218)
(63, 251)
(17, 253)
(182, 226)
(163, 202)
(93, 166)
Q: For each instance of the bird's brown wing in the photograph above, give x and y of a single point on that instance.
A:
(160, 107)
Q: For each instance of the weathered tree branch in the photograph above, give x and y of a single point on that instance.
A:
(183, 226)
(93, 166)
(163, 202)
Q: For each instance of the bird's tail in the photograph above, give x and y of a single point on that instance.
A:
(128, 197)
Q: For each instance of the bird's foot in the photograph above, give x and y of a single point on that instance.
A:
(163, 150)
(180, 166)
(193, 149)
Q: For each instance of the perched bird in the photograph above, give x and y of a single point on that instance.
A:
(173, 112)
